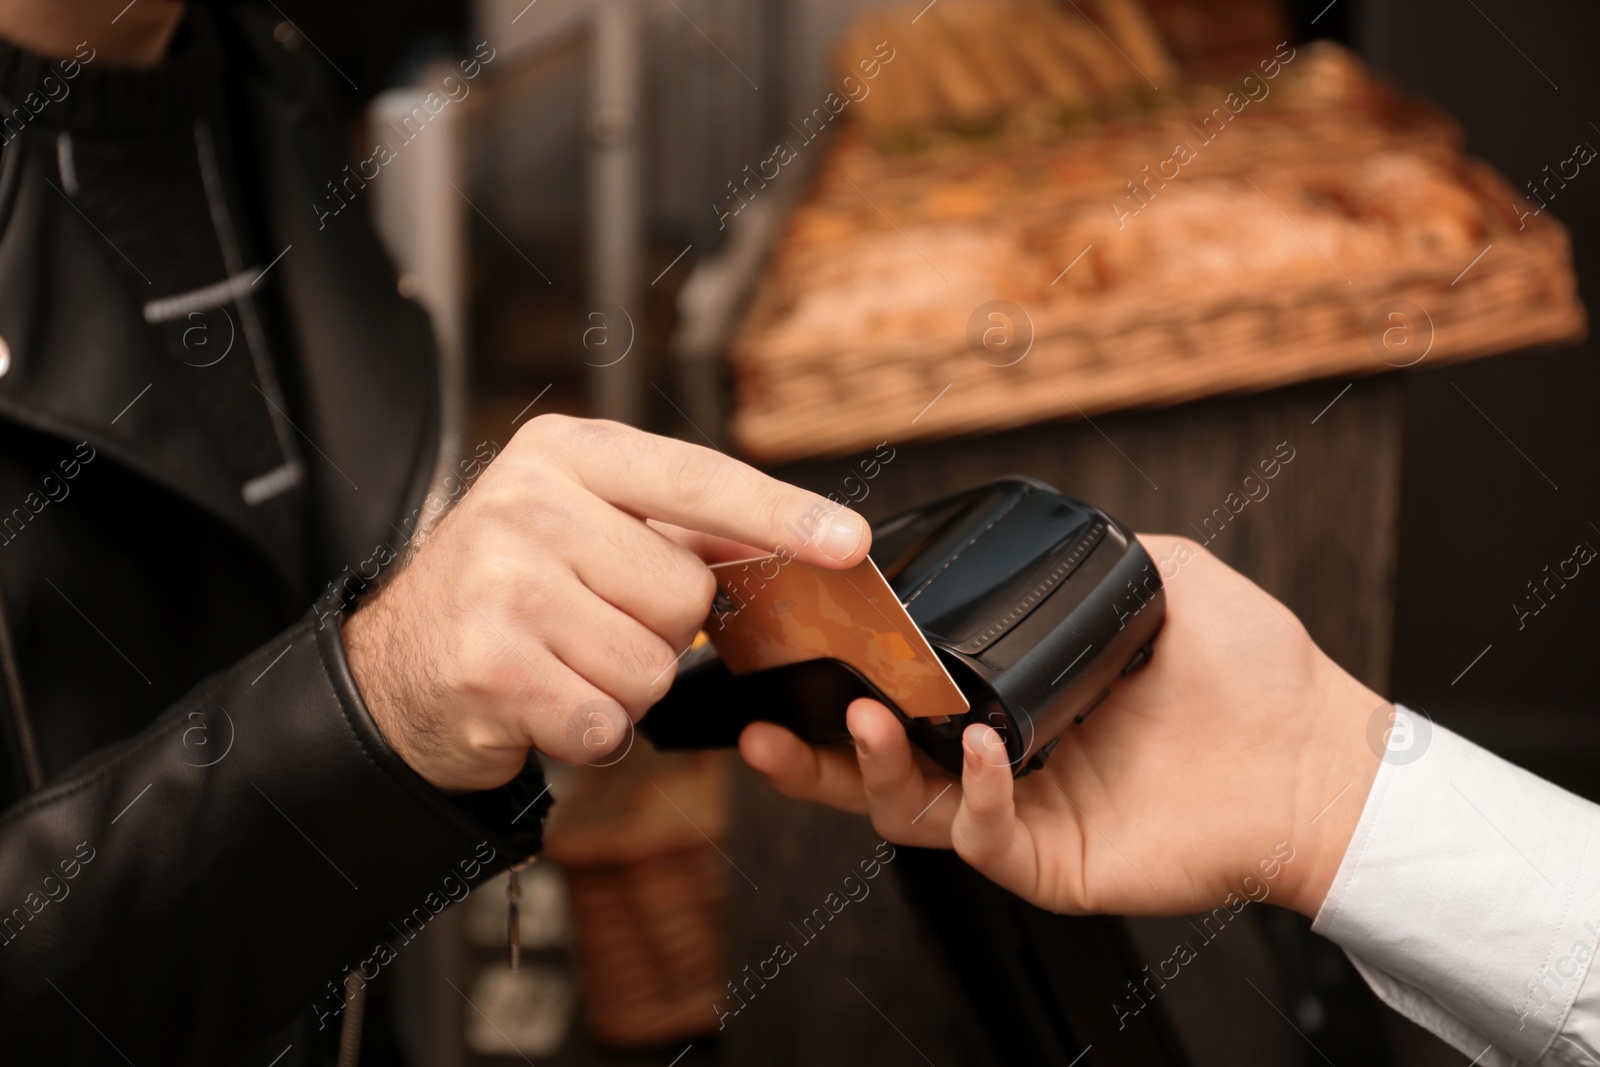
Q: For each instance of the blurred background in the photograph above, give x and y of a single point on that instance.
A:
(1132, 247)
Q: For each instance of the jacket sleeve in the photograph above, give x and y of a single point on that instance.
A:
(187, 893)
(1469, 899)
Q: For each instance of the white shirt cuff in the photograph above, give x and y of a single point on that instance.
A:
(1470, 900)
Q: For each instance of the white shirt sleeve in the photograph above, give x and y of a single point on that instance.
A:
(1469, 899)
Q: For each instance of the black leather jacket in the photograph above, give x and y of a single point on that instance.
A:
(222, 831)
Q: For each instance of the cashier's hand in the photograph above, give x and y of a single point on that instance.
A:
(1235, 737)
(550, 607)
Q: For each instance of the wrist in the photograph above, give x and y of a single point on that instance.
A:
(369, 635)
(1340, 765)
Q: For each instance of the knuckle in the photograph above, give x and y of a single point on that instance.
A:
(595, 728)
(492, 676)
(888, 827)
(545, 431)
(775, 506)
(970, 848)
(497, 498)
(516, 577)
(583, 436)
(546, 523)
(528, 597)
(592, 429)
(700, 475)
(701, 589)
(656, 689)
(688, 587)
(656, 666)
(815, 513)
(697, 479)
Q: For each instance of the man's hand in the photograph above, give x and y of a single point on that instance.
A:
(550, 608)
(1238, 735)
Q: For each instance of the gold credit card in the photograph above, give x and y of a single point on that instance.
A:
(771, 613)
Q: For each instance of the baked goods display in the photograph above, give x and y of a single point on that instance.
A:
(1299, 220)
(975, 66)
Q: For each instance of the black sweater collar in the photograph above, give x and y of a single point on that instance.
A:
(89, 95)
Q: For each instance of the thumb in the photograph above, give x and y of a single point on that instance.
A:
(986, 833)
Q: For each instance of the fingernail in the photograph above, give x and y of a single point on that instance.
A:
(839, 533)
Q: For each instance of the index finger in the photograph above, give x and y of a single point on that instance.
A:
(703, 490)
(709, 547)
(803, 771)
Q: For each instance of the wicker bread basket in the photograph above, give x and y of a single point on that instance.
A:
(636, 841)
(1331, 227)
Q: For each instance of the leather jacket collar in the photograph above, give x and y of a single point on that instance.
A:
(359, 358)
